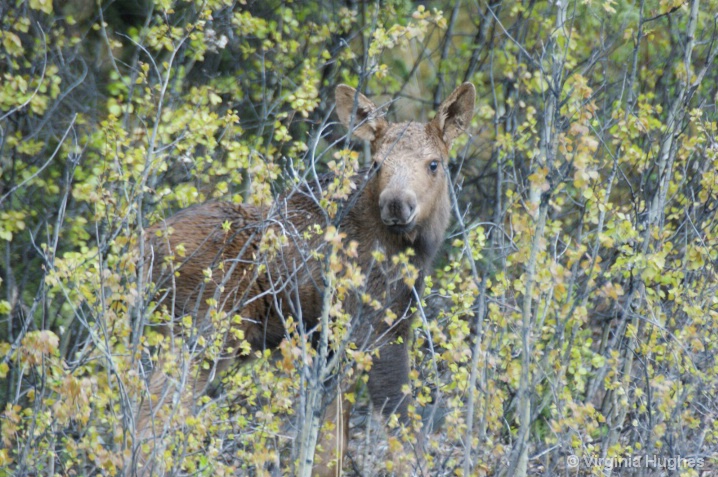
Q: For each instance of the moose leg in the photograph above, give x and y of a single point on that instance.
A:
(334, 438)
(388, 376)
(151, 424)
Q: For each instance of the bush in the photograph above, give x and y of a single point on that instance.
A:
(573, 310)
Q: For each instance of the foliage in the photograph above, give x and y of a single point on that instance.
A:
(574, 308)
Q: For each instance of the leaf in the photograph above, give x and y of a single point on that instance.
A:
(43, 5)
(12, 43)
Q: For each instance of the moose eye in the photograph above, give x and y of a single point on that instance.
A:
(434, 166)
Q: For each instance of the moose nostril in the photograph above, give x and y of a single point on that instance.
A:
(411, 205)
(382, 201)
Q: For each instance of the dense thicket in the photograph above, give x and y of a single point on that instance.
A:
(573, 310)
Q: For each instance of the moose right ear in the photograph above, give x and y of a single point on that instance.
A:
(368, 124)
(455, 113)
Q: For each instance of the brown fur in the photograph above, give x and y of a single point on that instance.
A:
(403, 205)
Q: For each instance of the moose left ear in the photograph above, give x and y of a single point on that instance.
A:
(455, 113)
(368, 124)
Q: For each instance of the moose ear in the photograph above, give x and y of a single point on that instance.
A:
(454, 114)
(368, 124)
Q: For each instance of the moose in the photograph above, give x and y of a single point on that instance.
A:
(401, 202)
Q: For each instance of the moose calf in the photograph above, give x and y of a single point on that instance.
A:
(402, 203)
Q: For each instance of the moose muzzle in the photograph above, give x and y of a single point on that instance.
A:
(398, 209)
